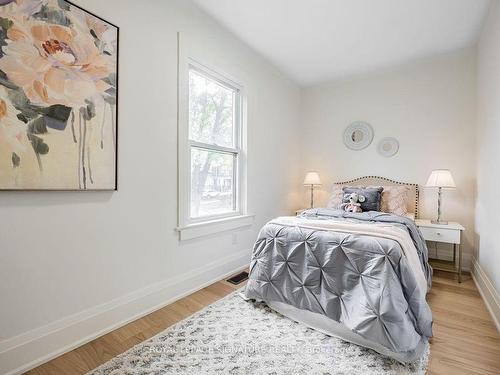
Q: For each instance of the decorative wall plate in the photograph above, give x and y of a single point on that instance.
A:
(358, 135)
(388, 147)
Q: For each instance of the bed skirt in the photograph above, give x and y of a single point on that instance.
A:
(330, 327)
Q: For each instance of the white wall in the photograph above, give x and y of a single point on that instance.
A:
(488, 139)
(429, 106)
(64, 253)
(67, 258)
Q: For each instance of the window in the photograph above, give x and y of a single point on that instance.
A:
(214, 142)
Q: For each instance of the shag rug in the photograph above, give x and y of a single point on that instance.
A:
(233, 336)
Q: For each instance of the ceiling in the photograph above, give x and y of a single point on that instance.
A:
(319, 40)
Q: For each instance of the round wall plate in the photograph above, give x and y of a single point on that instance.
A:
(388, 147)
(358, 135)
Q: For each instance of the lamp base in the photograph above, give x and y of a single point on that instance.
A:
(440, 222)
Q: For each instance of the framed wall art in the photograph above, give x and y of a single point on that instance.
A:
(58, 97)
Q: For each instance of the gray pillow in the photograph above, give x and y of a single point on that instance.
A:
(373, 197)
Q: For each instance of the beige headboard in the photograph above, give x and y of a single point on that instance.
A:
(382, 181)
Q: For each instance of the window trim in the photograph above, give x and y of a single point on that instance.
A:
(185, 145)
(215, 226)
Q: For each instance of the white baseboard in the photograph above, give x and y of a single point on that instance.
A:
(490, 295)
(28, 350)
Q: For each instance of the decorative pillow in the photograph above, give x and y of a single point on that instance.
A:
(337, 196)
(395, 199)
(373, 197)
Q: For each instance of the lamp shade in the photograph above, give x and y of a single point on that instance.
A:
(441, 178)
(312, 178)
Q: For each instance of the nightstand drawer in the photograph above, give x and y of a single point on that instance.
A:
(441, 235)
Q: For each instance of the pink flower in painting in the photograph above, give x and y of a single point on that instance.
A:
(55, 64)
(12, 130)
(20, 7)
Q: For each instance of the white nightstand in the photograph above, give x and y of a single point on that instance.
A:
(450, 233)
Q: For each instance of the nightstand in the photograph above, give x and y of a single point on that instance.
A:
(450, 233)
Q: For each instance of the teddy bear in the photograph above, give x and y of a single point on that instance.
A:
(352, 202)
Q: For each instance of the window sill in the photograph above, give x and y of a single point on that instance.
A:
(206, 228)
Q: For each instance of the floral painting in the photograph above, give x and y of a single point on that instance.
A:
(58, 97)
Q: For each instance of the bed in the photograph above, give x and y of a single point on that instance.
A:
(362, 277)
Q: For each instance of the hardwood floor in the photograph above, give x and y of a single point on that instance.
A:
(465, 338)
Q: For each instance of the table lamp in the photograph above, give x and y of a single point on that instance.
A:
(312, 179)
(441, 179)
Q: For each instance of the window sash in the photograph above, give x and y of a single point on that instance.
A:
(235, 150)
(235, 188)
(228, 84)
(214, 76)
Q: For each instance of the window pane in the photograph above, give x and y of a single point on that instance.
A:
(211, 111)
(212, 182)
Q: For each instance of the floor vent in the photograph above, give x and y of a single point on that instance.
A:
(239, 278)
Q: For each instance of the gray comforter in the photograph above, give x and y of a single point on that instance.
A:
(363, 282)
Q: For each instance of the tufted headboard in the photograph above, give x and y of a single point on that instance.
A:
(412, 204)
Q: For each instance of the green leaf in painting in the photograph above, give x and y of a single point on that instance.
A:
(56, 115)
(50, 15)
(110, 96)
(39, 146)
(110, 100)
(111, 79)
(5, 23)
(16, 160)
(4, 81)
(63, 4)
(57, 112)
(37, 126)
(20, 101)
(89, 111)
(23, 118)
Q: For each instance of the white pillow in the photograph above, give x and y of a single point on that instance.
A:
(336, 197)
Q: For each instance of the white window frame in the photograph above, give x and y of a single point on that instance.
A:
(235, 151)
(196, 227)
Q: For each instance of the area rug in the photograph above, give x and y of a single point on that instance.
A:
(233, 336)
